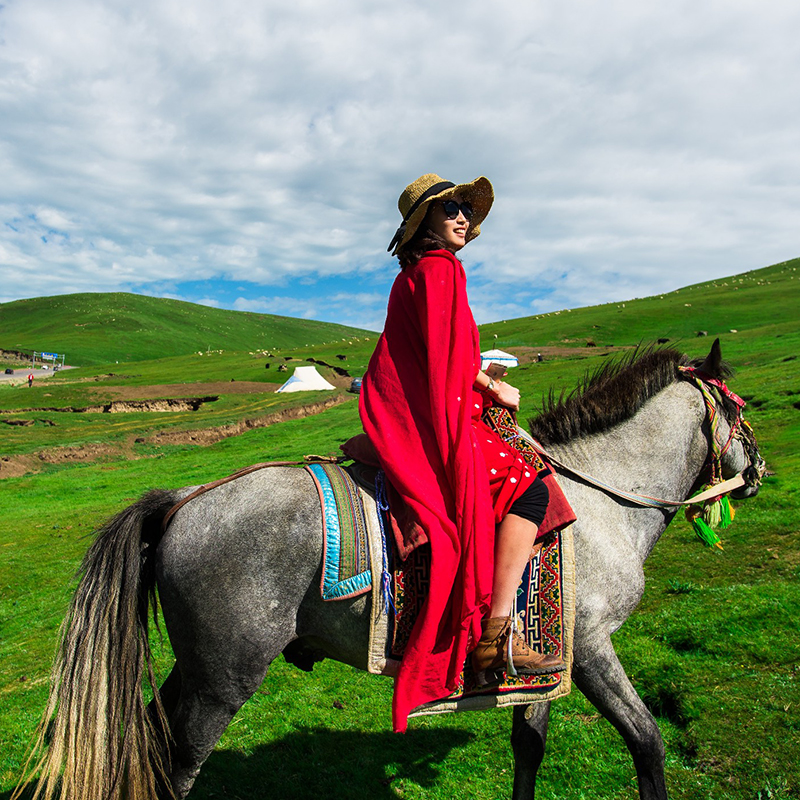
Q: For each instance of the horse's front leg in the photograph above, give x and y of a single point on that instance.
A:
(599, 675)
(528, 738)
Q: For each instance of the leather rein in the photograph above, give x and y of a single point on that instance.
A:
(739, 429)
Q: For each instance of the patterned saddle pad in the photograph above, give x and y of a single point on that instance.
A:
(546, 616)
(356, 558)
(346, 568)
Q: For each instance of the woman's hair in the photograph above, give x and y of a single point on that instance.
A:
(423, 240)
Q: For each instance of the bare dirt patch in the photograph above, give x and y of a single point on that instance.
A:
(528, 354)
(167, 404)
(17, 466)
(78, 453)
(206, 436)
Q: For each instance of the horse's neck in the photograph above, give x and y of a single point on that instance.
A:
(659, 452)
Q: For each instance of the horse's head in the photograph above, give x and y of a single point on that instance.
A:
(733, 449)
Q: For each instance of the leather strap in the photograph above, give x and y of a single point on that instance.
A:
(240, 473)
(639, 499)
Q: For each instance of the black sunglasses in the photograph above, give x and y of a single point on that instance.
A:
(451, 209)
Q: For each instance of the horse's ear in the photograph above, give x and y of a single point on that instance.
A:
(713, 364)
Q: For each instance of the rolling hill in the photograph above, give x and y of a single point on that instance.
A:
(94, 328)
(768, 296)
(713, 649)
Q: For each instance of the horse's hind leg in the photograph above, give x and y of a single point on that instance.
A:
(600, 676)
(199, 722)
(233, 570)
(205, 708)
(528, 739)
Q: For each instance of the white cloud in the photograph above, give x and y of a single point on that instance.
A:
(286, 306)
(633, 147)
(358, 309)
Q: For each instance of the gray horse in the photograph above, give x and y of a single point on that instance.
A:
(238, 574)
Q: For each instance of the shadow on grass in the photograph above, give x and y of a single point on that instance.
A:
(317, 762)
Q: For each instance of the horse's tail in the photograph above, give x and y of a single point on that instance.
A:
(97, 739)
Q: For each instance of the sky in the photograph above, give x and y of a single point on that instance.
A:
(249, 154)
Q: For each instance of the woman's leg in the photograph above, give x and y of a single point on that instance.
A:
(514, 546)
(500, 642)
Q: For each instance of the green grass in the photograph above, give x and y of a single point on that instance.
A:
(742, 302)
(714, 648)
(99, 327)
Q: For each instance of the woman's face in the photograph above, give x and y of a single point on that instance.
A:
(452, 230)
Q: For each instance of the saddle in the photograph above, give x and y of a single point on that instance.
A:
(400, 578)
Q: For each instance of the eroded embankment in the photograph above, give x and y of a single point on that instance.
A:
(17, 466)
(207, 436)
(125, 406)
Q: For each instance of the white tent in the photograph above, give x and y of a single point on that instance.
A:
(498, 357)
(305, 379)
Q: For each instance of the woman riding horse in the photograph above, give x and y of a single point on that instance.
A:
(476, 501)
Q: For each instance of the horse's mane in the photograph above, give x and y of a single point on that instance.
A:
(608, 396)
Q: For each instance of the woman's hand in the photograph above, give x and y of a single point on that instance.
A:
(505, 395)
(502, 393)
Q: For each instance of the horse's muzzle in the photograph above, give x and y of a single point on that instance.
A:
(752, 480)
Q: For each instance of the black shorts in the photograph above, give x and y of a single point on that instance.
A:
(532, 504)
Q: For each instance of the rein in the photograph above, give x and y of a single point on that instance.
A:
(739, 429)
(643, 500)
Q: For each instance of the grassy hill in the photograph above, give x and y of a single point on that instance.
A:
(105, 328)
(742, 303)
(713, 649)
(94, 328)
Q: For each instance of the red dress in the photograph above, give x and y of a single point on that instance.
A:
(422, 415)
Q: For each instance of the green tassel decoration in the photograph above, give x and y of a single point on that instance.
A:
(712, 514)
(705, 534)
(703, 519)
(726, 512)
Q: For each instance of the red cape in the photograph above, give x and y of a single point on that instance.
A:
(416, 407)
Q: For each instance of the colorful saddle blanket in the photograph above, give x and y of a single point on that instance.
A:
(346, 568)
(357, 558)
(546, 618)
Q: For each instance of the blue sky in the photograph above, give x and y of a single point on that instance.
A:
(249, 154)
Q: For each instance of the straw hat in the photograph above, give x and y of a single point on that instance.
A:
(417, 197)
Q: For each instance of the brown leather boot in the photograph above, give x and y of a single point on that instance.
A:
(489, 657)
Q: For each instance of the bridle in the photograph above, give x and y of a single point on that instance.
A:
(740, 429)
(717, 487)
